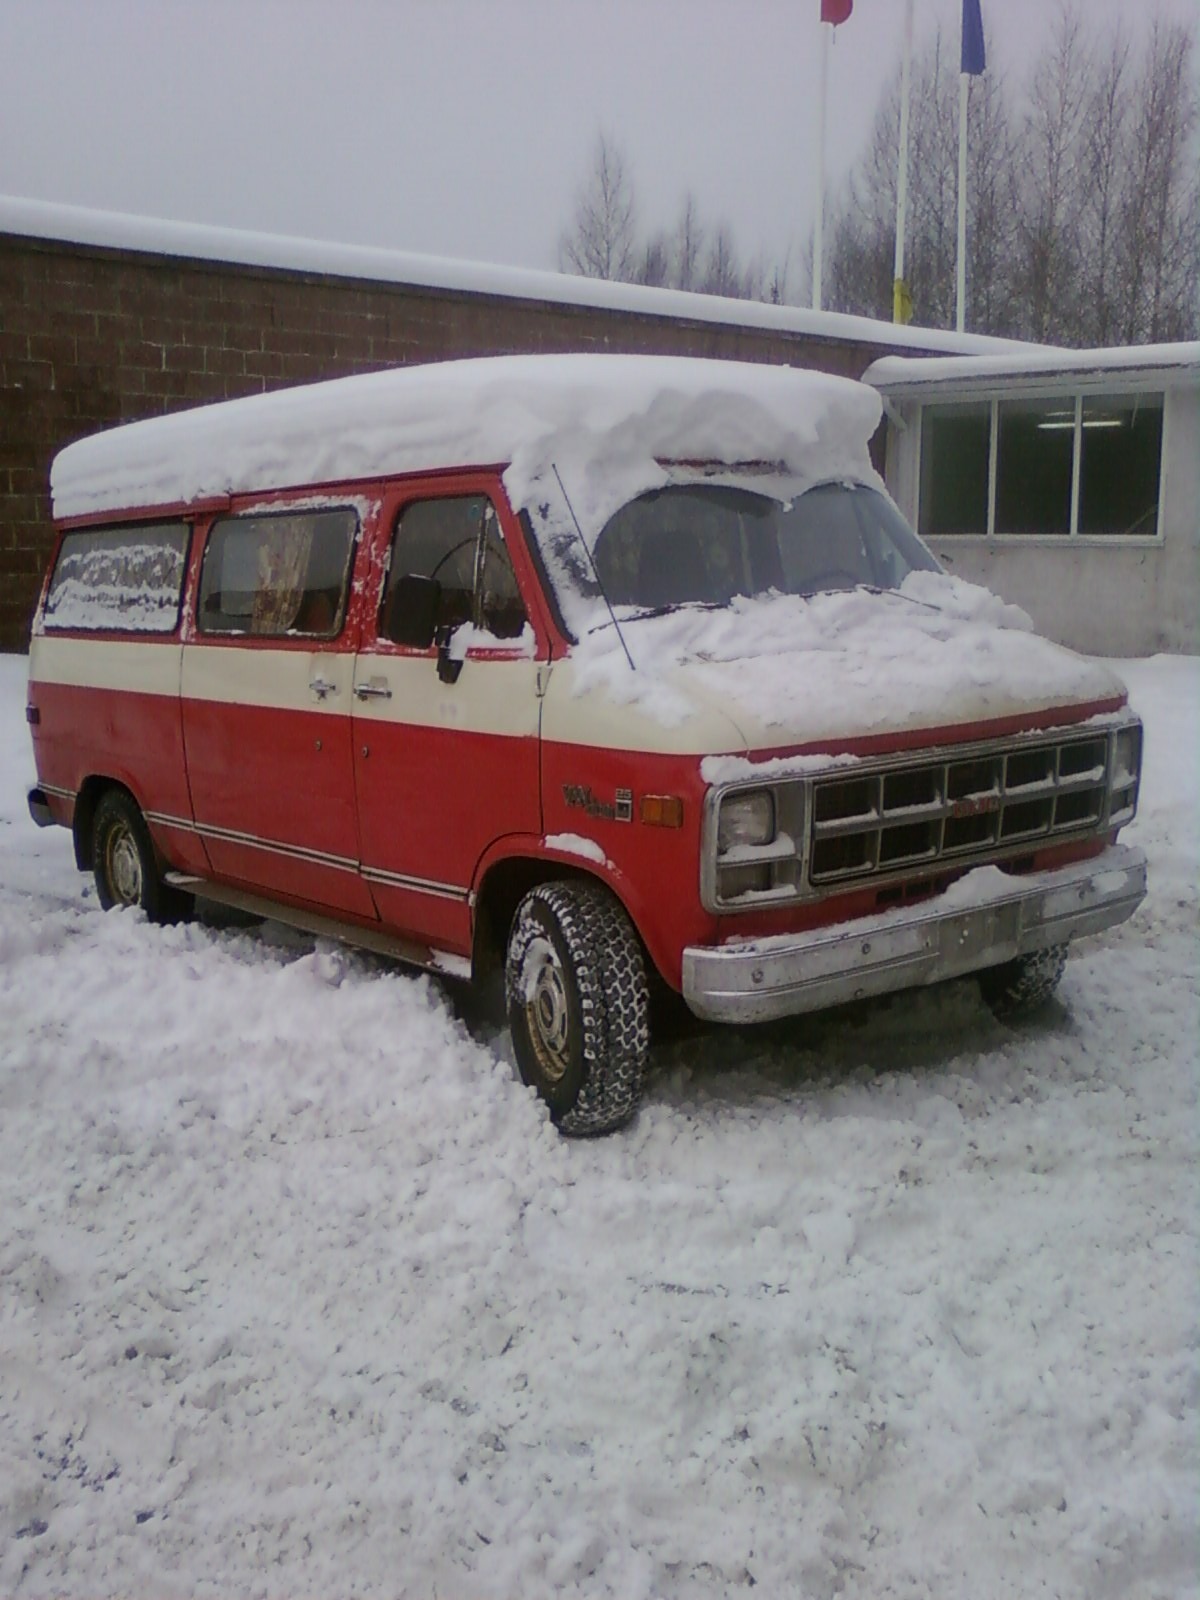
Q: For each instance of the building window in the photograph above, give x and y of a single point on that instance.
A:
(1061, 466)
(1035, 449)
(1119, 464)
(955, 444)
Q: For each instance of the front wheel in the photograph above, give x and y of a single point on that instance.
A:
(124, 862)
(578, 1004)
(1018, 988)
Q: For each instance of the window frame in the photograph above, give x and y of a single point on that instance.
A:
(1077, 394)
(276, 510)
(390, 527)
(45, 620)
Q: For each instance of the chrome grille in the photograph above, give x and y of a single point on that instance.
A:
(873, 824)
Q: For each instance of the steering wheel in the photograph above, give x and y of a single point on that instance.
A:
(453, 551)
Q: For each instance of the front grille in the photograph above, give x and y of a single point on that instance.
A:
(876, 824)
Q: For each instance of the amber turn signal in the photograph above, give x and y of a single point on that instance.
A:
(662, 810)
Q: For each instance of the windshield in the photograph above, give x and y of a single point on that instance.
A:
(690, 544)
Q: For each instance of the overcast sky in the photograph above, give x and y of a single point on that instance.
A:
(457, 127)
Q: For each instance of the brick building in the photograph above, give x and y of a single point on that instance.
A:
(105, 319)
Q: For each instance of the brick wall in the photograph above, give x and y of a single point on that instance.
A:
(91, 337)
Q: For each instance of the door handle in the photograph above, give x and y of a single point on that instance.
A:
(377, 689)
(321, 687)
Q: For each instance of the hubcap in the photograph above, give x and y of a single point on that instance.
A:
(124, 866)
(546, 1008)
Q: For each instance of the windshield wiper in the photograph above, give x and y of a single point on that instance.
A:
(662, 611)
(875, 589)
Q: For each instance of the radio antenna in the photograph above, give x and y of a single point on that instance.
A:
(592, 564)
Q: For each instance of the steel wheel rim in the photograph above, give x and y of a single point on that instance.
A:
(124, 865)
(546, 1009)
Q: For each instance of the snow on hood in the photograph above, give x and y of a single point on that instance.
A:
(603, 420)
(789, 671)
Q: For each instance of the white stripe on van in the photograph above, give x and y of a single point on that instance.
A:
(495, 696)
(123, 665)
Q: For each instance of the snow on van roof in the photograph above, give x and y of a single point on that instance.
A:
(113, 230)
(603, 420)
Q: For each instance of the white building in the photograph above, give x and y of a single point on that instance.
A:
(1068, 481)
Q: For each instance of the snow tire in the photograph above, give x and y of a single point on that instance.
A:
(125, 865)
(578, 1005)
(1019, 988)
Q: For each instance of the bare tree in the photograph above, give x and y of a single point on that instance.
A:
(653, 266)
(1048, 180)
(1109, 110)
(688, 243)
(991, 241)
(601, 241)
(860, 268)
(1083, 197)
(1158, 250)
(722, 273)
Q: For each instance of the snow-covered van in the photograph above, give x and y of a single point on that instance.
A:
(604, 673)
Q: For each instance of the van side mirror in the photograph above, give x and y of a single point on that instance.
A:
(412, 611)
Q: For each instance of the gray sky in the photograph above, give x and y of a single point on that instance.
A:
(457, 127)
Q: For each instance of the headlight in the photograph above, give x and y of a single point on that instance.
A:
(746, 819)
(1126, 766)
(754, 857)
(1128, 758)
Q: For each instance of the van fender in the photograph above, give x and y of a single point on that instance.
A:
(83, 808)
(511, 866)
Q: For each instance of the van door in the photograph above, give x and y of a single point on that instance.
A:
(266, 704)
(445, 736)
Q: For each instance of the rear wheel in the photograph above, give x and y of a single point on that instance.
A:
(1018, 988)
(125, 865)
(578, 1003)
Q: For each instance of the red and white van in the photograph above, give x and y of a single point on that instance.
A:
(597, 670)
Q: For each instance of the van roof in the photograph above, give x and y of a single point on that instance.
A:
(591, 415)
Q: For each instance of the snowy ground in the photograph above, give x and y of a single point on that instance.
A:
(301, 1295)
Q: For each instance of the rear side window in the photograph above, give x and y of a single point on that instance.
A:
(124, 580)
(279, 575)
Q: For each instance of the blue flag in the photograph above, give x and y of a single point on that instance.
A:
(973, 60)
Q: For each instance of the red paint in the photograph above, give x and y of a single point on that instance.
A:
(134, 739)
(655, 871)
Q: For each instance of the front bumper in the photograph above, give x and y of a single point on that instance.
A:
(985, 918)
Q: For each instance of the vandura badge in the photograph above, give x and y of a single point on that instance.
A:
(581, 798)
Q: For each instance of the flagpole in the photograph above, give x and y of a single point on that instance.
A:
(901, 300)
(960, 320)
(819, 233)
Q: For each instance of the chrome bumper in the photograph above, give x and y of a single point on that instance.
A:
(985, 918)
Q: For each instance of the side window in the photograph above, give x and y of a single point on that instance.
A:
(458, 542)
(121, 579)
(278, 575)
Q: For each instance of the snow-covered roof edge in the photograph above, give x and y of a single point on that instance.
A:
(112, 230)
(592, 414)
(901, 375)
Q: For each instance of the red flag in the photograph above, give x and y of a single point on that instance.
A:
(836, 11)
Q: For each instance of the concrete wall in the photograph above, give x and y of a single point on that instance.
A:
(92, 336)
(1104, 599)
